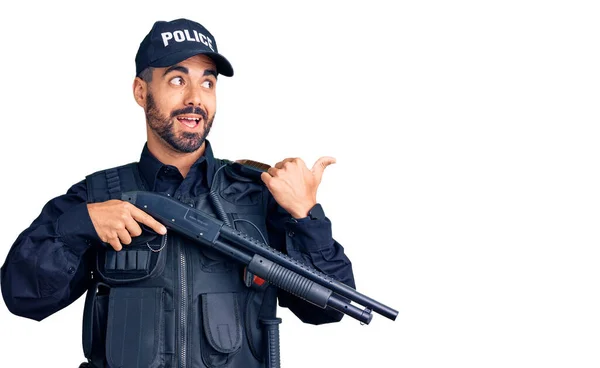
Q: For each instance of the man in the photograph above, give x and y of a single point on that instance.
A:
(153, 298)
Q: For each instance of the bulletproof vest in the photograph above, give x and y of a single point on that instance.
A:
(164, 301)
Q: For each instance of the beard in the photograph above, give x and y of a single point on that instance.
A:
(163, 126)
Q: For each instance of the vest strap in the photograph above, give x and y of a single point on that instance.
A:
(113, 183)
(109, 184)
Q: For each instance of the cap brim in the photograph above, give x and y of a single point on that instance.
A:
(223, 65)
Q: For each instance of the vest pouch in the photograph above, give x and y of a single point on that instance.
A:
(144, 258)
(134, 335)
(221, 332)
(94, 323)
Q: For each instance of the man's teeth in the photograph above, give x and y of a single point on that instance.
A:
(189, 122)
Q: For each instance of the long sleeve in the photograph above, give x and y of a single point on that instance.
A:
(311, 242)
(47, 267)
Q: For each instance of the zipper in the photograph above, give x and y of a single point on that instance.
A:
(183, 309)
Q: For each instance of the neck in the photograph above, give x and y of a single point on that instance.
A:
(165, 154)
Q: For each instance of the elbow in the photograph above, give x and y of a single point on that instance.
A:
(22, 307)
(17, 307)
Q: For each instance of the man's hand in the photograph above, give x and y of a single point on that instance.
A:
(294, 186)
(116, 222)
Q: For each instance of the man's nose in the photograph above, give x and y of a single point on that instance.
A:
(193, 97)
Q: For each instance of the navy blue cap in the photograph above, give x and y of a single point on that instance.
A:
(169, 43)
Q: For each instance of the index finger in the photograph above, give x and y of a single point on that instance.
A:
(279, 165)
(144, 218)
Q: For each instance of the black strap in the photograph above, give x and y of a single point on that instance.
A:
(109, 184)
(113, 183)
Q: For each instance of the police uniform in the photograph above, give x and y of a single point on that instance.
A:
(164, 301)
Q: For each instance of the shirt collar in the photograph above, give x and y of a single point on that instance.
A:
(150, 166)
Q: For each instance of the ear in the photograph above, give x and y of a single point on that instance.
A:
(140, 91)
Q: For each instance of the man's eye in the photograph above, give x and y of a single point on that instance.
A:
(207, 84)
(177, 81)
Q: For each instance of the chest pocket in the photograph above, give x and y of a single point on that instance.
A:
(242, 203)
(246, 204)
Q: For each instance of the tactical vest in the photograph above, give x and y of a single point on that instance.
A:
(164, 301)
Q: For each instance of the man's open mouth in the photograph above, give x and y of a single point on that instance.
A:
(189, 121)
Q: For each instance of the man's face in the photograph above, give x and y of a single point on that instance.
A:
(181, 103)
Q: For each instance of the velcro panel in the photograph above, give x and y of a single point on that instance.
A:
(134, 331)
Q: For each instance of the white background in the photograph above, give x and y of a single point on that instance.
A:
(466, 191)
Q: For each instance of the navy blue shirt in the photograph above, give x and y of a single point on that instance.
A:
(48, 266)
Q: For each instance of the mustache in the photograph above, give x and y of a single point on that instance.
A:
(190, 110)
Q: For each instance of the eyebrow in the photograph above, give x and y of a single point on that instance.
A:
(210, 72)
(173, 68)
(185, 70)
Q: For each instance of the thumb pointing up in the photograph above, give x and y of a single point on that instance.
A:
(319, 166)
